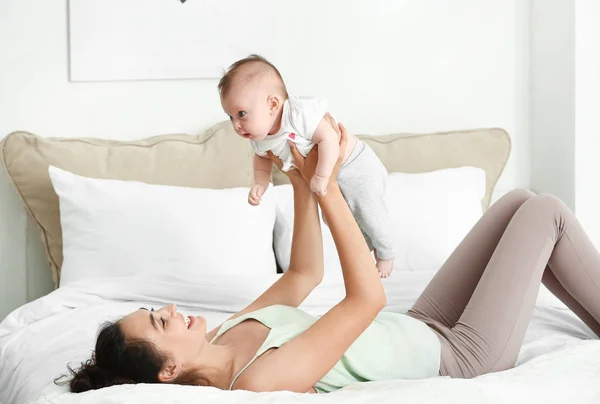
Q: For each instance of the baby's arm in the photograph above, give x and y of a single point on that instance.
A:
(262, 170)
(327, 140)
(262, 167)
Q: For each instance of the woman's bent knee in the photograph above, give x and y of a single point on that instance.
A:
(520, 193)
(548, 203)
(516, 196)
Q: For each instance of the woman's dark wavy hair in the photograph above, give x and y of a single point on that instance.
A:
(117, 360)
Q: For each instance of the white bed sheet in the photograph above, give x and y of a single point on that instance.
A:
(556, 363)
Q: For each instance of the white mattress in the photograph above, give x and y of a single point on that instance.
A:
(557, 364)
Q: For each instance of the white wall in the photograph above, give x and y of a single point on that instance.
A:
(552, 120)
(587, 121)
(445, 65)
(565, 95)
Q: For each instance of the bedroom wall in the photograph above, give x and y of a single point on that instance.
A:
(465, 66)
(587, 121)
(552, 81)
(565, 95)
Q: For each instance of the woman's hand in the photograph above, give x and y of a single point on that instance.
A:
(293, 174)
(306, 166)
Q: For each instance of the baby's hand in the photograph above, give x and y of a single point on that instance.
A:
(319, 185)
(256, 192)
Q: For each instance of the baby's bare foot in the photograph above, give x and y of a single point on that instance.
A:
(385, 266)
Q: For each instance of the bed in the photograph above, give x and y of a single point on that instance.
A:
(559, 361)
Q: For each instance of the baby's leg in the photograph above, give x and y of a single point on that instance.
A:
(362, 181)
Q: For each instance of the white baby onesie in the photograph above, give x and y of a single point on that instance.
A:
(299, 120)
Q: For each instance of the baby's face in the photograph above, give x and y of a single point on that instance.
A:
(249, 113)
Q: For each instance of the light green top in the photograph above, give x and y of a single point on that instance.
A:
(394, 346)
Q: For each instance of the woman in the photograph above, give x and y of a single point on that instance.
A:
(470, 320)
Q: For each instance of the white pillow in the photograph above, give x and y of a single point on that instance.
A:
(123, 228)
(430, 214)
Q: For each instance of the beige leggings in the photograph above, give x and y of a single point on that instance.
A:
(480, 302)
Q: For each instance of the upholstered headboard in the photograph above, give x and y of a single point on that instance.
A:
(216, 159)
(487, 149)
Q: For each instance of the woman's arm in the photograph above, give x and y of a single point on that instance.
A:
(306, 263)
(308, 357)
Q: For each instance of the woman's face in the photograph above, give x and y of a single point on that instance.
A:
(174, 334)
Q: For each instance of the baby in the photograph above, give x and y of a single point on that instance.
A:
(255, 98)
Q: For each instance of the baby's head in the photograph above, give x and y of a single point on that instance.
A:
(252, 95)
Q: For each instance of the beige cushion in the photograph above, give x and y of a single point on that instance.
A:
(216, 159)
